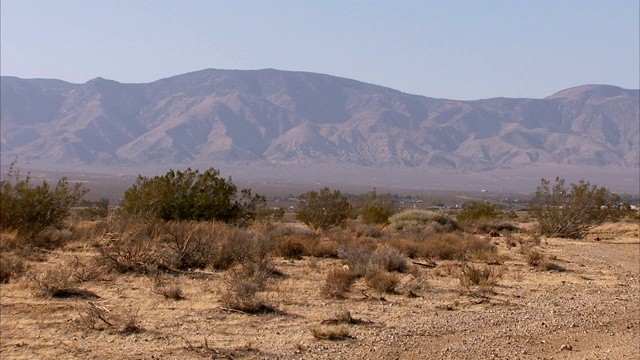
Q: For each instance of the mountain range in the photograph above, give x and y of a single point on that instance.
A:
(283, 117)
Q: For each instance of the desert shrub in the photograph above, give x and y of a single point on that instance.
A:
(190, 195)
(382, 281)
(408, 247)
(132, 248)
(369, 230)
(375, 209)
(324, 209)
(551, 266)
(168, 289)
(291, 247)
(324, 248)
(242, 286)
(243, 246)
(534, 258)
(57, 282)
(476, 211)
(357, 257)
(453, 246)
(330, 332)
(191, 243)
(422, 221)
(389, 259)
(483, 279)
(571, 212)
(338, 282)
(29, 209)
(11, 267)
(124, 321)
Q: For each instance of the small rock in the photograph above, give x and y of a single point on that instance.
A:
(566, 347)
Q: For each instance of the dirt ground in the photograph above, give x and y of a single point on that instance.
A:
(589, 311)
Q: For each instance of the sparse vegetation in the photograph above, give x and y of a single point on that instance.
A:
(111, 276)
(323, 210)
(29, 208)
(571, 212)
(190, 195)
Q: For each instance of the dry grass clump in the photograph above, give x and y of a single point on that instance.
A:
(389, 259)
(291, 246)
(131, 247)
(168, 289)
(11, 267)
(338, 282)
(97, 317)
(330, 332)
(56, 282)
(454, 246)
(244, 283)
(241, 246)
(190, 243)
(482, 279)
(422, 222)
(357, 258)
(382, 281)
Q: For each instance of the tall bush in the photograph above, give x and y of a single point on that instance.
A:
(571, 212)
(324, 209)
(30, 208)
(190, 195)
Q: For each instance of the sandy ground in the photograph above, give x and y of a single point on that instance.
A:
(590, 311)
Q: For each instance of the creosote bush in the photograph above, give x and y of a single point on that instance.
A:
(190, 195)
(571, 212)
(323, 210)
(422, 221)
(29, 208)
(338, 282)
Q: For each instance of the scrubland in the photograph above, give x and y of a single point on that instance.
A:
(114, 288)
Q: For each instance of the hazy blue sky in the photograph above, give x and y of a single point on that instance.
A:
(449, 49)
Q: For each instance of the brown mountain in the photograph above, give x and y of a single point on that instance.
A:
(274, 117)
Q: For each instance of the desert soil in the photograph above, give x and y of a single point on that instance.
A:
(589, 311)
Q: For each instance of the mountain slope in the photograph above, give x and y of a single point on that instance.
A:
(276, 116)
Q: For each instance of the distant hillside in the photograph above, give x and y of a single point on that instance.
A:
(271, 116)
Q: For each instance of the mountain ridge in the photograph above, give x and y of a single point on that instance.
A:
(275, 116)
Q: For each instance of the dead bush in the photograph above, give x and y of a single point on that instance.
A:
(357, 257)
(482, 279)
(324, 248)
(330, 332)
(338, 282)
(534, 258)
(132, 249)
(389, 259)
(291, 247)
(241, 246)
(382, 281)
(122, 320)
(454, 246)
(11, 267)
(551, 266)
(56, 282)
(242, 286)
(409, 248)
(191, 243)
(83, 269)
(169, 289)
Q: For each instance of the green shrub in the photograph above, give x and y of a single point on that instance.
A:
(324, 209)
(571, 212)
(30, 209)
(422, 221)
(476, 211)
(375, 209)
(190, 195)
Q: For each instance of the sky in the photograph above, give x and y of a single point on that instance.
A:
(464, 50)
